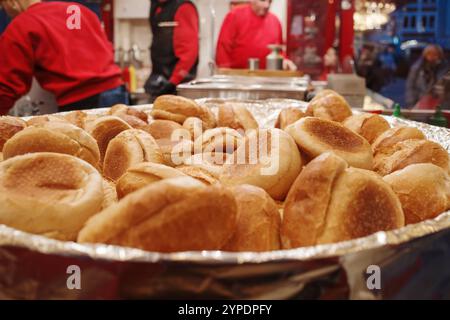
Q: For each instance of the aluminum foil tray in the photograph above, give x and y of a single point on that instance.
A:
(413, 262)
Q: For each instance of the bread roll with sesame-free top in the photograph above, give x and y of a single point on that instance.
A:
(9, 126)
(54, 136)
(173, 215)
(49, 194)
(130, 148)
(423, 190)
(268, 159)
(330, 202)
(178, 109)
(236, 116)
(369, 126)
(316, 136)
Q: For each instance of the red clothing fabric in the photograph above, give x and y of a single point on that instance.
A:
(185, 41)
(245, 35)
(72, 64)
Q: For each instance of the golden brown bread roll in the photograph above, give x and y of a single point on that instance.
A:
(268, 159)
(163, 129)
(38, 120)
(77, 118)
(316, 136)
(423, 190)
(395, 135)
(258, 222)
(289, 116)
(369, 126)
(105, 129)
(9, 126)
(121, 109)
(134, 122)
(178, 109)
(329, 106)
(330, 203)
(236, 116)
(109, 193)
(173, 215)
(202, 174)
(222, 140)
(49, 194)
(127, 149)
(142, 175)
(410, 152)
(323, 93)
(53, 136)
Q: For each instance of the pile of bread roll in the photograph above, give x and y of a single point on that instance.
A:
(184, 179)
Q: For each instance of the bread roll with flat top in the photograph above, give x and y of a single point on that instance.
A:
(386, 141)
(105, 129)
(121, 109)
(331, 106)
(258, 221)
(49, 194)
(410, 152)
(316, 136)
(58, 137)
(289, 116)
(127, 149)
(142, 175)
(173, 215)
(236, 116)
(163, 129)
(77, 118)
(423, 190)
(268, 159)
(9, 126)
(178, 109)
(331, 203)
(369, 126)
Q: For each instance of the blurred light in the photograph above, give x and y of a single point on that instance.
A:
(372, 15)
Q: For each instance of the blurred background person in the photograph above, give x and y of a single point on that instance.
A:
(369, 67)
(76, 65)
(388, 64)
(175, 45)
(423, 77)
(247, 32)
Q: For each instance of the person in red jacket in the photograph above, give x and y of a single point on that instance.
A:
(62, 45)
(246, 33)
(175, 45)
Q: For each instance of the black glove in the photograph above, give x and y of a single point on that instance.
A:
(158, 85)
(167, 88)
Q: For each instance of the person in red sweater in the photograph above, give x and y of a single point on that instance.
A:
(246, 33)
(175, 46)
(62, 45)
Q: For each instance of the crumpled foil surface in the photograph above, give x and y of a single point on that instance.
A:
(413, 262)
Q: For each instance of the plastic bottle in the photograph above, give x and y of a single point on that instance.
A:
(438, 119)
(398, 111)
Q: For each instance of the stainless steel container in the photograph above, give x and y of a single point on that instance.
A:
(275, 58)
(247, 88)
(253, 64)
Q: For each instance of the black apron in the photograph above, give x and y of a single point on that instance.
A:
(163, 55)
